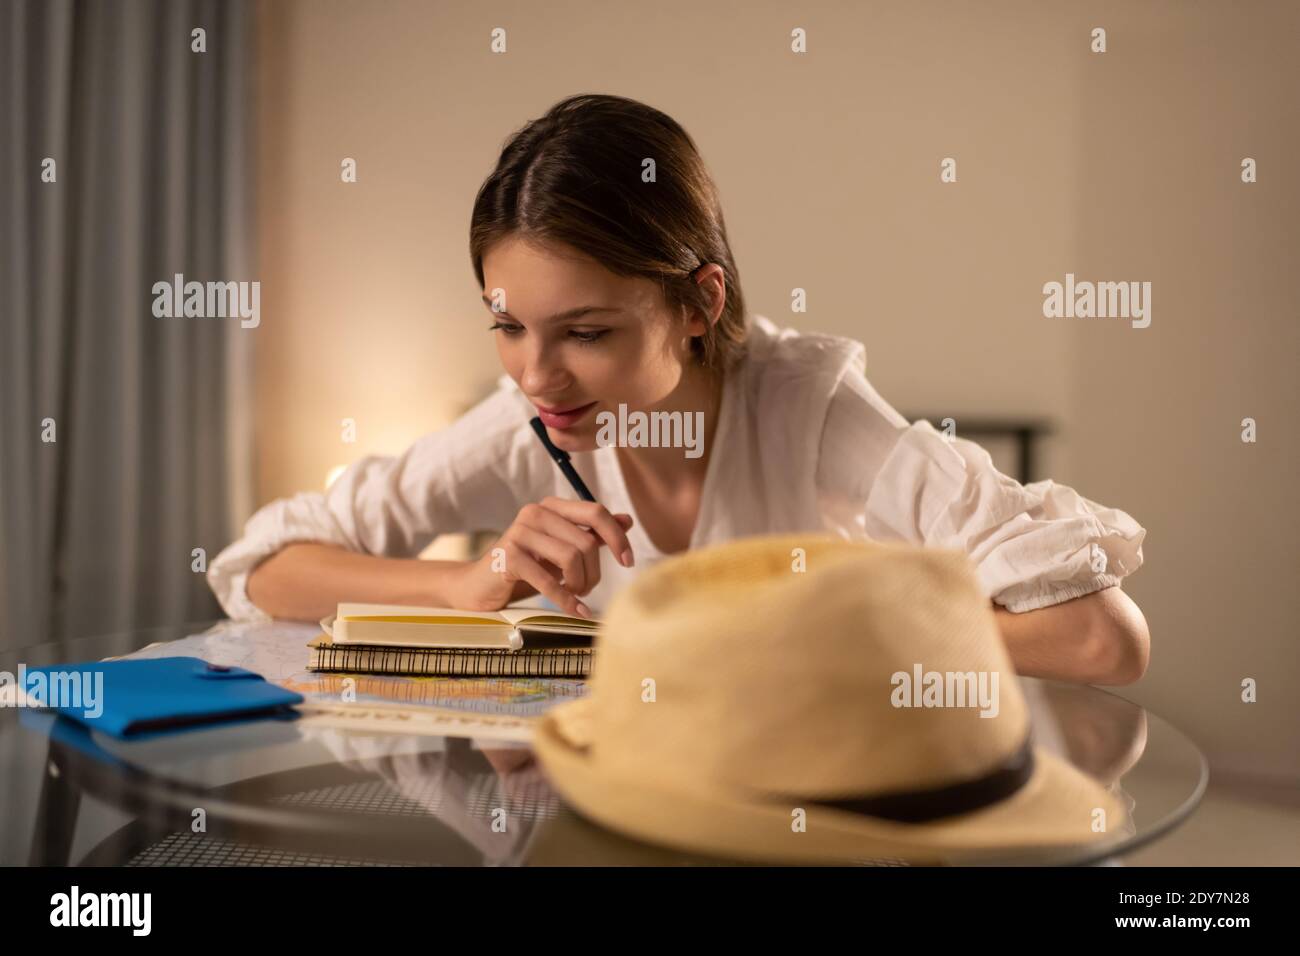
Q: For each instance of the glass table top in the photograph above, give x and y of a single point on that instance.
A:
(300, 790)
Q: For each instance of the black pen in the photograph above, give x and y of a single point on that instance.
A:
(561, 458)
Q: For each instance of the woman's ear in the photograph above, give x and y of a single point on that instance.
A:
(713, 281)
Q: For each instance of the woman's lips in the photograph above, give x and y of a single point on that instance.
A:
(564, 419)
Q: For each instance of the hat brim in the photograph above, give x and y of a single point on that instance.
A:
(1055, 809)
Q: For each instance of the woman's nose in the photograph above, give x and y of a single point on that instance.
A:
(544, 375)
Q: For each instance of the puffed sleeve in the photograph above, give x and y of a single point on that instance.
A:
(461, 478)
(1033, 545)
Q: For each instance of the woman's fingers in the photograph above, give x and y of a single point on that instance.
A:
(596, 517)
(548, 522)
(561, 553)
(550, 549)
(523, 565)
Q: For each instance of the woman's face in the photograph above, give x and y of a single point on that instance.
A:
(627, 347)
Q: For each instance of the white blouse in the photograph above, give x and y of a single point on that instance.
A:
(803, 443)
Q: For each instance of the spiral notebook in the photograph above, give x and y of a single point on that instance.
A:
(400, 639)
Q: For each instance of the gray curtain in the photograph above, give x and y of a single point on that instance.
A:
(151, 457)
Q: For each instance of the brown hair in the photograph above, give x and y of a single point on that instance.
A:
(574, 177)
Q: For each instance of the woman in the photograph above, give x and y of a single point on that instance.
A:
(602, 253)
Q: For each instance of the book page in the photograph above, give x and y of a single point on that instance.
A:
(545, 615)
(410, 614)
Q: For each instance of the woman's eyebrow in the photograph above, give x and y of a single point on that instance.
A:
(561, 316)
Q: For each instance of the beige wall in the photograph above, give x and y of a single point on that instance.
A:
(1156, 414)
(1117, 166)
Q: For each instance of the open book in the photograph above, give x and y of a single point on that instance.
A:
(511, 628)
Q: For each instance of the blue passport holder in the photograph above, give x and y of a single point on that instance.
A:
(130, 697)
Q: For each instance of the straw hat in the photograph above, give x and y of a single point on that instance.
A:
(803, 698)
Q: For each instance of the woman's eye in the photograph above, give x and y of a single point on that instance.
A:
(586, 338)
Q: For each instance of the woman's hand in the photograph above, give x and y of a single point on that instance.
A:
(552, 549)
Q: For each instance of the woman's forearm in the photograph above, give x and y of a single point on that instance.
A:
(306, 581)
(1100, 638)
